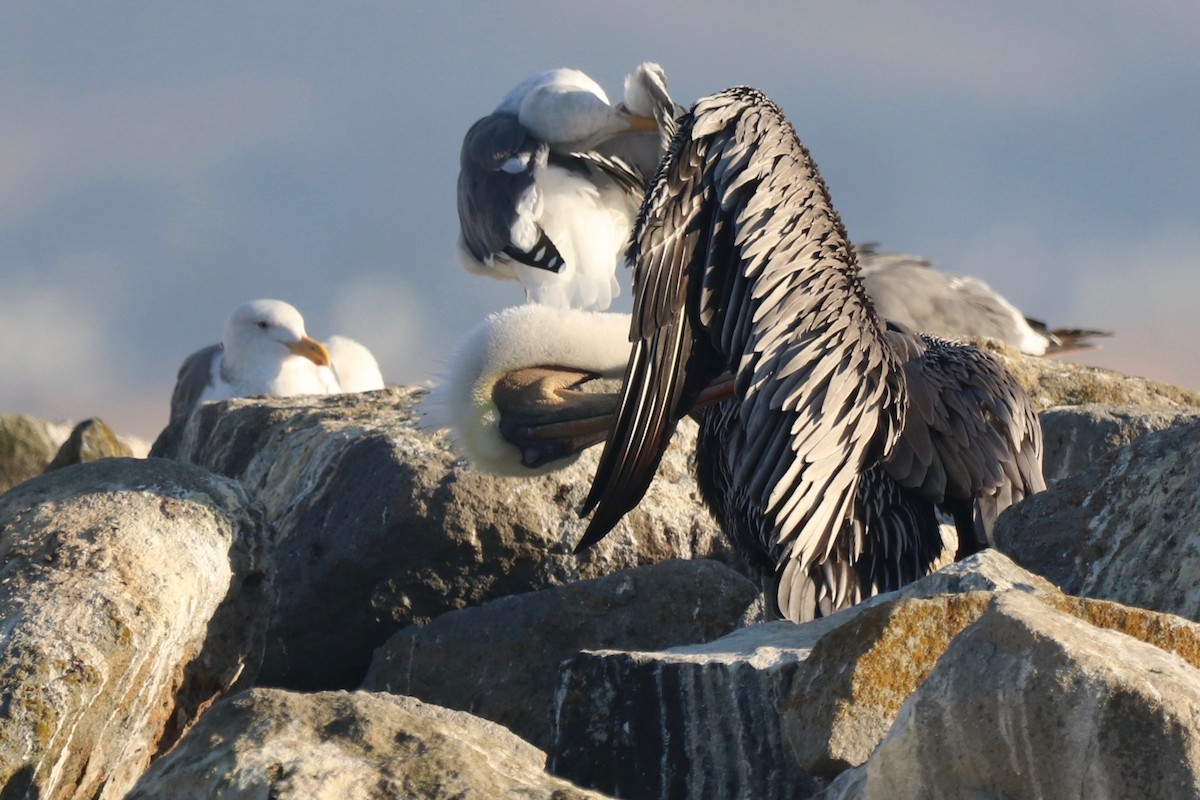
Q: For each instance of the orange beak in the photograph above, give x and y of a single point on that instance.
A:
(311, 349)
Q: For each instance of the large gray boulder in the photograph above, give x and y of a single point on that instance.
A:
(500, 660)
(382, 526)
(269, 743)
(707, 721)
(850, 689)
(1077, 436)
(133, 594)
(1126, 529)
(1031, 702)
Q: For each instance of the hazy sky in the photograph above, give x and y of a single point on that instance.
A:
(160, 164)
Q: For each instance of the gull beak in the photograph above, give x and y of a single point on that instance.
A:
(311, 349)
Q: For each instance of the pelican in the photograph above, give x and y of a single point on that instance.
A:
(265, 350)
(551, 181)
(907, 289)
(843, 432)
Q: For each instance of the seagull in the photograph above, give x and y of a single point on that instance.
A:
(907, 289)
(841, 434)
(264, 351)
(551, 181)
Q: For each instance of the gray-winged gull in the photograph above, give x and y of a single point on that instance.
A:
(265, 351)
(908, 290)
(550, 183)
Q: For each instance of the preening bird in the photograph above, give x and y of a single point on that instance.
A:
(265, 350)
(843, 433)
(909, 290)
(551, 181)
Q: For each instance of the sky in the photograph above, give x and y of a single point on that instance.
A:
(161, 164)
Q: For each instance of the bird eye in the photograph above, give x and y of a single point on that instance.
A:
(262, 324)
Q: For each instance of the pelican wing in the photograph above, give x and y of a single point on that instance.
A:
(497, 199)
(971, 434)
(741, 264)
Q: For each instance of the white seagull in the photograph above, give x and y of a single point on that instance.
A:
(265, 351)
(551, 181)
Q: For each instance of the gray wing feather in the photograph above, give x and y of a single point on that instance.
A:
(195, 375)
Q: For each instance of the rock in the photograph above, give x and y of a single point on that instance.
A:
(1052, 382)
(27, 445)
(707, 720)
(1126, 529)
(1031, 702)
(847, 693)
(381, 526)
(338, 745)
(90, 440)
(500, 660)
(1076, 436)
(133, 593)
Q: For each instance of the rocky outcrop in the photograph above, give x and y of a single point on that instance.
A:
(721, 702)
(819, 698)
(1075, 437)
(27, 446)
(1032, 702)
(381, 525)
(133, 593)
(850, 689)
(337, 745)
(500, 660)
(1126, 529)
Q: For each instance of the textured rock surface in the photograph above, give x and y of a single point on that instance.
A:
(1031, 702)
(500, 661)
(381, 526)
(706, 721)
(132, 594)
(339, 746)
(1076, 436)
(849, 690)
(1053, 382)
(27, 445)
(1125, 529)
